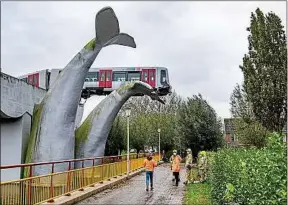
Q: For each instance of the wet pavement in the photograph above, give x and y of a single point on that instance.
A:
(133, 191)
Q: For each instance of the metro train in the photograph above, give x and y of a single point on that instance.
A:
(102, 81)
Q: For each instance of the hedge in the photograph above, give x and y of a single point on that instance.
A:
(249, 175)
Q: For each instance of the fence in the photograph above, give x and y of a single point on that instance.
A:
(39, 189)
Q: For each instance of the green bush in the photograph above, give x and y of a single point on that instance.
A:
(250, 176)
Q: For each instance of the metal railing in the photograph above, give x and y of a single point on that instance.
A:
(39, 189)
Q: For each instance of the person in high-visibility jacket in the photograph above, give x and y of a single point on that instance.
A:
(202, 165)
(149, 165)
(175, 165)
(188, 166)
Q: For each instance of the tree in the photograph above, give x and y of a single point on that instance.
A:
(199, 125)
(116, 137)
(247, 129)
(240, 106)
(265, 70)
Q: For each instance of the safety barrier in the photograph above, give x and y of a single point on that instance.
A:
(39, 189)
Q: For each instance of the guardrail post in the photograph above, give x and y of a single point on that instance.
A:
(82, 176)
(102, 169)
(68, 178)
(29, 186)
(51, 184)
(92, 177)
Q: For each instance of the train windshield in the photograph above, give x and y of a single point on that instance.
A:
(163, 76)
(134, 76)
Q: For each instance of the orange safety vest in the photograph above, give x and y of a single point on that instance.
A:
(176, 163)
(149, 164)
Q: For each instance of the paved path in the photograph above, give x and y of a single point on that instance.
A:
(133, 191)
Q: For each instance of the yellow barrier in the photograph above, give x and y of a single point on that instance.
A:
(35, 190)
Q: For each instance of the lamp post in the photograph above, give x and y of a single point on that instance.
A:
(159, 131)
(128, 112)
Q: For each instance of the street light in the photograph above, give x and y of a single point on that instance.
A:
(128, 112)
(159, 131)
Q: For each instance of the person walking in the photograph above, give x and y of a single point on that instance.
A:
(149, 165)
(175, 166)
(188, 166)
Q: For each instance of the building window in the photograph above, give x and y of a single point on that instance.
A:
(119, 76)
(134, 76)
(163, 76)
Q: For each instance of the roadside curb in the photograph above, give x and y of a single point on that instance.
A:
(77, 196)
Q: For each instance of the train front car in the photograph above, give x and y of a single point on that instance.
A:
(163, 85)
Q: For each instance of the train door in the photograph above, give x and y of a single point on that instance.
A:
(148, 76)
(105, 80)
(108, 79)
(102, 78)
(152, 81)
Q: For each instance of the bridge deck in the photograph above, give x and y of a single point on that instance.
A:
(133, 191)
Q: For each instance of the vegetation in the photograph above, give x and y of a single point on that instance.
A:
(198, 194)
(265, 70)
(37, 112)
(255, 175)
(250, 176)
(260, 103)
(199, 125)
(115, 142)
(184, 123)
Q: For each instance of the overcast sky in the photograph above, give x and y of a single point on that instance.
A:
(201, 43)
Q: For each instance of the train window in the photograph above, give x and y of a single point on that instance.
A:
(145, 76)
(102, 78)
(25, 79)
(92, 76)
(134, 76)
(163, 76)
(108, 77)
(119, 76)
(151, 73)
(87, 79)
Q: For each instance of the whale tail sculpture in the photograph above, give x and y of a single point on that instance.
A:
(92, 135)
(108, 31)
(52, 136)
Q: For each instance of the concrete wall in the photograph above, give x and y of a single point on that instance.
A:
(14, 141)
(17, 104)
(18, 97)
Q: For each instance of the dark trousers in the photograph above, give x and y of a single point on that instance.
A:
(149, 177)
(176, 175)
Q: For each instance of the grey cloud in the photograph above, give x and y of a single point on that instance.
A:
(202, 43)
